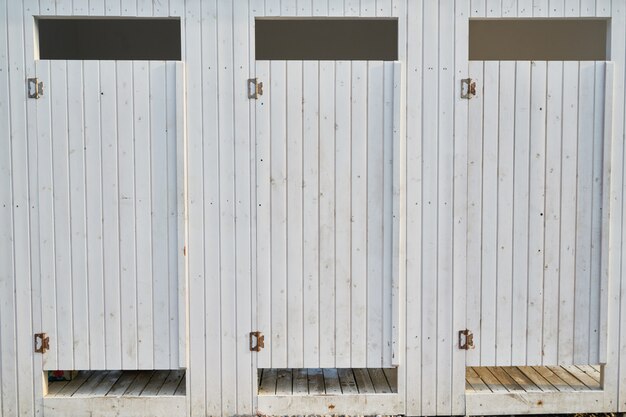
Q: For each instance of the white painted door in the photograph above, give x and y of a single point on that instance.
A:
(107, 169)
(538, 181)
(324, 222)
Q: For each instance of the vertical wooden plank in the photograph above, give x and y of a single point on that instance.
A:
(506, 158)
(614, 380)
(278, 187)
(387, 221)
(127, 242)
(295, 329)
(199, 57)
(227, 237)
(343, 217)
(110, 214)
(94, 214)
(445, 202)
(254, 7)
(536, 204)
(552, 215)
(46, 219)
(62, 232)
(17, 282)
(489, 213)
(459, 267)
(587, 8)
(172, 226)
(521, 187)
(430, 218)
(607, 181)
(474, 209)
(556, 8)
(263, 210)
(183, 216)
(375, 184)
(400, 10)
(524, 8)
(34, 391)
(359, 215)
(310, 207)
(572, 8)
(413, 299)
(159, 192)
(584, 215)
(143, 213)
(509, 8)
(80, 311)
(243, 208)
(399, 216)
(319, 8)
(569, 157)
(596, 301)
(327, 258)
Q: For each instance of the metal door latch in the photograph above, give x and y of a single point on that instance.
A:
(42, 343)
(35, 88)
(466, 339)
(468, 88)
(257, 341)
(255, 88)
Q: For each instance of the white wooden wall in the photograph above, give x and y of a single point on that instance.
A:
(536, 146)
(324, 195)
(219, 53)
(108, 214)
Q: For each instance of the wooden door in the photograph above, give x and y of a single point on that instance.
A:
(107, 146)
(325, 178)
(538, 181)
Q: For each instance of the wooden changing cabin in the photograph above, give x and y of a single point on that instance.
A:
(312, 207)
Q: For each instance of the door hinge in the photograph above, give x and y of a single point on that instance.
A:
(35, 88)
(257, 341)
(468, 88)
(42, 343)
(466, 339)
(255, 88)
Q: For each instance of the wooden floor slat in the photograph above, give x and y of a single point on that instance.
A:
(512, 379)
(327, 381)
(172, 382)
(284, 385)
(120, 384)
(347, 381)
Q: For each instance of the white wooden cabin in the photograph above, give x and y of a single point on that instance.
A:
(194, 245)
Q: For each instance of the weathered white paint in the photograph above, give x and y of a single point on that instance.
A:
(343, 226)
(218, 50)
(108, 214)
(558, 235)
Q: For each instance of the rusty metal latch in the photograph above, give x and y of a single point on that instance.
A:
(35, 88)
(466, 339)
(468, 88)
(257, 341)
(255, 88)
(42, 343)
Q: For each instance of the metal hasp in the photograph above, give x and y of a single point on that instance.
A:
(255, 88)
(42, 343)
(466, 339)
(35, 88)
(468, 88)
(257, 341)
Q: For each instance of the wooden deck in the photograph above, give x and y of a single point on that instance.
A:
(328, 381)
(120, 384)
(511, 379)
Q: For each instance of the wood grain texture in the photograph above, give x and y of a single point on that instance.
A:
(28, 231)
(317, 219)
(540, 222)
